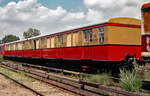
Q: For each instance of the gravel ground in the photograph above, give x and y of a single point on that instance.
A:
(39, 86)
(9, 88)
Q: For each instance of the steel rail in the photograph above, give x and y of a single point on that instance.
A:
(84, 83)
(57, 70)
(69, 88)
(24, 86)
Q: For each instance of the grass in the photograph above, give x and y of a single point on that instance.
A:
(20, 77)
(142, 71)
(1, 58)
(7, 72)
(130, 81)
(146, 75)
(21, 80)
(61, 74)
(103, 79)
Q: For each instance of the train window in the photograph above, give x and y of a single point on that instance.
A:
(12, 48)
(62, 39)
(27, 45)
(91, 35)
(88, 35)
(19, 46)
(56, 41)
(40, 43)
(52, 42)
(68, 40)
(59, 40)
(43, 42)
(80, 38)
(34, 41)
(48, 42)
(101, 30)
(85, 35)
(9, 47)
(75, 39)
(16, 46)
(95, 32)
(24, 46)
(102, 38)
(30, 44)
(37, 44)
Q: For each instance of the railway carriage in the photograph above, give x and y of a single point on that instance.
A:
(2, 49)
(96, 46)
(146, 31)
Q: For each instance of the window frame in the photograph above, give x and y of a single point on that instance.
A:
(101, 34)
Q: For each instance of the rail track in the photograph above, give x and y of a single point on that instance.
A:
(58, 70)
(24, 86)
(80, 86)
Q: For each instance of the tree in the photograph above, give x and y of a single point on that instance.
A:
(10, 38)
(31, 33)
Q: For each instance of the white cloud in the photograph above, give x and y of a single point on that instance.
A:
(94, 16)
(116, 8)
(15, 18)
(74, 16)
(104, 3)
(18, 17)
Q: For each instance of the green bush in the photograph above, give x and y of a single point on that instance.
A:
(130, 81)
(103, 79)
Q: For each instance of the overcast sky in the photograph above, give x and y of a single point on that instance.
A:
(50, 16)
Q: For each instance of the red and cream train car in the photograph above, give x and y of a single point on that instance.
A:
(146, 31)
(2, 49)
(97, 44)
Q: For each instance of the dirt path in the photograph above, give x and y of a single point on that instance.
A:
(9, 88)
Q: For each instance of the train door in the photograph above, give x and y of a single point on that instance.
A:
(101, 33)
(34, 41)
(60, 40)
(87, 42)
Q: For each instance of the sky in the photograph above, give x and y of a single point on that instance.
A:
(51, 16)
